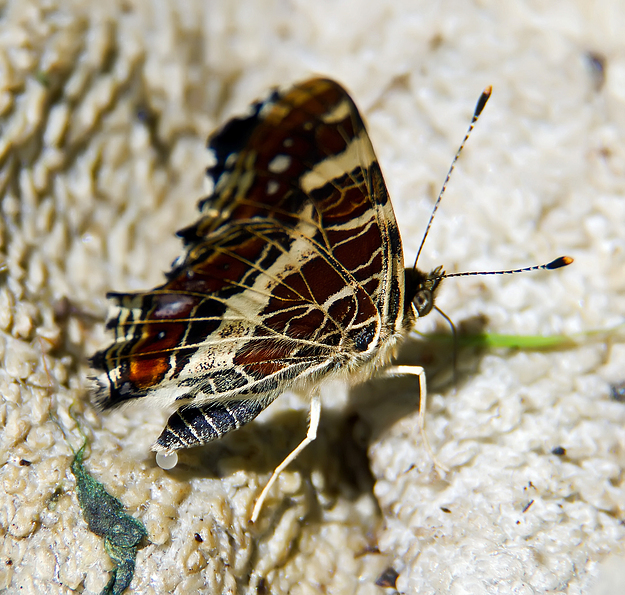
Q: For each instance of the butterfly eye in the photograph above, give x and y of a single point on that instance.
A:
(423, 302)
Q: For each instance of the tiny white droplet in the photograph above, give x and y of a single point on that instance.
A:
(166, 460)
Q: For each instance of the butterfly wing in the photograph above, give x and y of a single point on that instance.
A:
(293, 270)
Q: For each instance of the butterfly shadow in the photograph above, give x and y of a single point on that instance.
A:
(448, 363)
(340, 450)
(259, 447)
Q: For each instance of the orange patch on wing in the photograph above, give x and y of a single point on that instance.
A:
(147, 373)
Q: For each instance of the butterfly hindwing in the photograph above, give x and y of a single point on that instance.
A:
(293, 271)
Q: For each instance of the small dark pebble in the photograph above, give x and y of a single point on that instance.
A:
(618, 391)
(597, 64)
(388, 578)
(262, 588)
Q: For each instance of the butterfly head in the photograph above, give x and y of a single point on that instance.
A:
(421, 289)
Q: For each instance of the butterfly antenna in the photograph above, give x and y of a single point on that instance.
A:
(562, 261)
(476, 114)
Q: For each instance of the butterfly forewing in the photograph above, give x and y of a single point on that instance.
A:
(293, 271)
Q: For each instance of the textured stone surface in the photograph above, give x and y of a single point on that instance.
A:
(104, 111)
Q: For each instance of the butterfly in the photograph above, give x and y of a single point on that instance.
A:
(294, 274)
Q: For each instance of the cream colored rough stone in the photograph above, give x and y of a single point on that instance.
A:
(105, 108)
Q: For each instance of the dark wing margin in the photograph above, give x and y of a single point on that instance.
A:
(193, 426)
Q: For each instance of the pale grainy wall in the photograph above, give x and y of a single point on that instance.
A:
(104, 112)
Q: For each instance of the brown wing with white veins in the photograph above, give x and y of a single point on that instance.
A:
(294, 269)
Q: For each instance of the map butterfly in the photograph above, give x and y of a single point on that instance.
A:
(293, 274)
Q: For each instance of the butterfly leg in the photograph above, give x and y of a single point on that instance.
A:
(419, 372)
(313, 424)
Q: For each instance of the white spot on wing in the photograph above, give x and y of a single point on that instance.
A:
(170, 306)
(231, 160)
(279, 164)
(272, 187)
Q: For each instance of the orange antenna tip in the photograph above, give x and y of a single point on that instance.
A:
(481, 102)
(559, 262)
